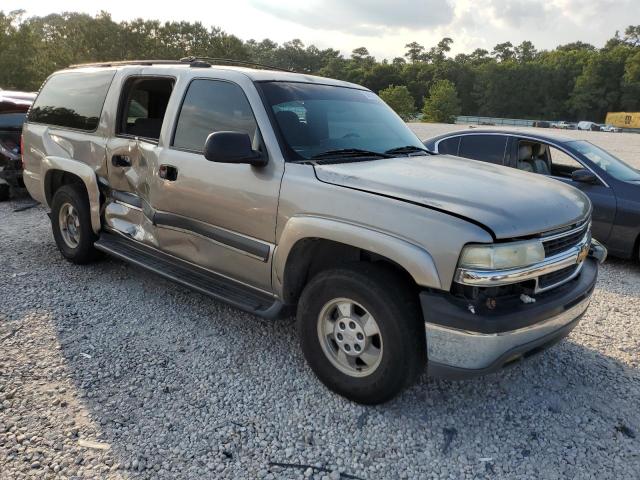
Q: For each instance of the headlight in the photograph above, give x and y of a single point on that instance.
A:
(501, 256)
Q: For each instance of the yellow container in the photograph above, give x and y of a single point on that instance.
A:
(623, 119)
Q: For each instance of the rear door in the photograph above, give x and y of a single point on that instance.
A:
(132, 152)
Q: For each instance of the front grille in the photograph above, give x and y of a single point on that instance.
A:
(563, 243)
(558, 276)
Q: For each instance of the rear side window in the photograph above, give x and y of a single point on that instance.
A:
(212, 106)
(72, 100)
(488, 148)
(449, 146)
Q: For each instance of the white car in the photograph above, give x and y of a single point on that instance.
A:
(610, 128)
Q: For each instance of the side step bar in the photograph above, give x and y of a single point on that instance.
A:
(184, 273)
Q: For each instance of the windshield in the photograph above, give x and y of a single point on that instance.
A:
(607, 162)
(316, 120)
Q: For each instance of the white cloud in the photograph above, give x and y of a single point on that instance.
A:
(383, 26)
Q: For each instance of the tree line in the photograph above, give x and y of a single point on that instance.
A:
(576, 81)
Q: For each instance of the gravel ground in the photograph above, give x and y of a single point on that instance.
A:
(107, 371)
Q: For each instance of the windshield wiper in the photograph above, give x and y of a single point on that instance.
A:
(409, 149)
(349, 153)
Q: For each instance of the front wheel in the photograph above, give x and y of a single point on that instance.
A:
(361, 333)
(71, 224)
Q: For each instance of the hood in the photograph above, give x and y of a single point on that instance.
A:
(507, 201)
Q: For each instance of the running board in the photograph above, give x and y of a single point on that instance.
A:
(199, 279)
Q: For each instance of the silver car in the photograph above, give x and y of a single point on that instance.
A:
(285, 193)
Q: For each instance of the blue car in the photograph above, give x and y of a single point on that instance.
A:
(612, 185)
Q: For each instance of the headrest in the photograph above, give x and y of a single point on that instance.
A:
(539, 150)
(147, 127)
(525, 152)
(286, 117)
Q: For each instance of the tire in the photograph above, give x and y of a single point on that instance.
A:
(394, 357)
(76, 241)
(5, 192)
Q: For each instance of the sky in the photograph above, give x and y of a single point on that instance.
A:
(384, 27)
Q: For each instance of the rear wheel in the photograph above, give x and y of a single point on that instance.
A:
(71, 224)
(361, 333)
(5, 191)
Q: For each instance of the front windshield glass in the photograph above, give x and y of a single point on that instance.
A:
(607, 162)
(315, 119)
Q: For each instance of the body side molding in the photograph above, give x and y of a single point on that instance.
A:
(249, 246)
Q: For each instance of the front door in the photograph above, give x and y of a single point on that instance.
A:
(550, 160)
(216, 215)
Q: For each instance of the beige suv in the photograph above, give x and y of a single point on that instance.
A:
(280, 192)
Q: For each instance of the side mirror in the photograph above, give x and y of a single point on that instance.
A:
(583, 175)
(232, 147)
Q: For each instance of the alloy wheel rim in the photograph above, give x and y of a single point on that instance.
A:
(350, 337)
(69, 223)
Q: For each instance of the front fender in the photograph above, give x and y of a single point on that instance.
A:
(414, 259)
(82, 171)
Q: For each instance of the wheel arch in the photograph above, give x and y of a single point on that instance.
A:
(309, 245)
(57, 171)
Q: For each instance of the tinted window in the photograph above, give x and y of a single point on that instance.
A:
(488, 148)
(72, 100)
(212, 106)
(449, 146)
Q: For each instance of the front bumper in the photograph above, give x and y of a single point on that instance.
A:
(461, 343)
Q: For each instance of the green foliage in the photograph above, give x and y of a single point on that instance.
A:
(443, 104)
(399, 98)
(575, 81)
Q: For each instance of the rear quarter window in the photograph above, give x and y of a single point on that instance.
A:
(72, 99)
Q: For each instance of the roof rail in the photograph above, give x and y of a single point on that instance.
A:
(202, 62)
(127, 62)
(230, 61)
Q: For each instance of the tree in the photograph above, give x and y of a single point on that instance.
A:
(571, 82)
(526, 52)
(438, 53)
(503, 51)
(399, 98)
(442, 105)
(415, 52)
(632, 35)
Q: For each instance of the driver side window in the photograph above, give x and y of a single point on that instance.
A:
(562, 164)
(213, 106)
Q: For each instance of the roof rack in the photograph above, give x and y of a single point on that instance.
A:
(127, 62)
(196, 62)
(229, 61)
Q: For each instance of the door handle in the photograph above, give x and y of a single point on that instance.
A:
(121, 161)
(168, 172)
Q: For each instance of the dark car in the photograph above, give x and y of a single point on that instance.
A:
(13, 109)
(612, 185)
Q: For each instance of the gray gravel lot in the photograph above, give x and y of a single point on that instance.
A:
(107, 371)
